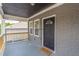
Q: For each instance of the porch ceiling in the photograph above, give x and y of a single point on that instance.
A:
(24, 9)
(11, 17)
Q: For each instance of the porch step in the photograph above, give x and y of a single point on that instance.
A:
(46, 50)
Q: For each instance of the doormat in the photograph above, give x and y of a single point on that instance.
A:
(46, 50)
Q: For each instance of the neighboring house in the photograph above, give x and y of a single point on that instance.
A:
(19, 31)
(19, 25)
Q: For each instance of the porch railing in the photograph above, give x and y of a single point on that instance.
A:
(13, 34)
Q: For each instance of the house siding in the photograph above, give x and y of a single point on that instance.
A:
(66, 28)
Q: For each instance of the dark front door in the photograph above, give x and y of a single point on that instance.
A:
(49, 32)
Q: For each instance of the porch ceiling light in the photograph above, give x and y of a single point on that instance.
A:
(32, 4)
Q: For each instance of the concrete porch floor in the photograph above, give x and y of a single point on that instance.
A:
(22, 48)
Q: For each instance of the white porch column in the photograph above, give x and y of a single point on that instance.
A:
(2, 30)
(3, 27)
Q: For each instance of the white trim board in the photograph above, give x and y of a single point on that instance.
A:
(47, 9)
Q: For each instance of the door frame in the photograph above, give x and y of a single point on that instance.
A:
(54, 15)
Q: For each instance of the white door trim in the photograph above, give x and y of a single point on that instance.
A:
(54, 31)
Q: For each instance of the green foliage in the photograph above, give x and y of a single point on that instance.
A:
(6, 24)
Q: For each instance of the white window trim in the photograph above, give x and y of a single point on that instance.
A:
(54, 15)
(39, 28)
(31, 27)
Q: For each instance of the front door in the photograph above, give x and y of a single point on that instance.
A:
(48, 25)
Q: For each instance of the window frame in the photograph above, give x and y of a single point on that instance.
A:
(30, 22)
(38, 28)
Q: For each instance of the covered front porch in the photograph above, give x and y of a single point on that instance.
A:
(16, 37)
(40, 29)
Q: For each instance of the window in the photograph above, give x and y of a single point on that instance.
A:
(37, 27)
(31, 27)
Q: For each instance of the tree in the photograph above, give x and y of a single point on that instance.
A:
(6, 24)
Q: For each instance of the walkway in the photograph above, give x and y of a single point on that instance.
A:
(22, 48)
